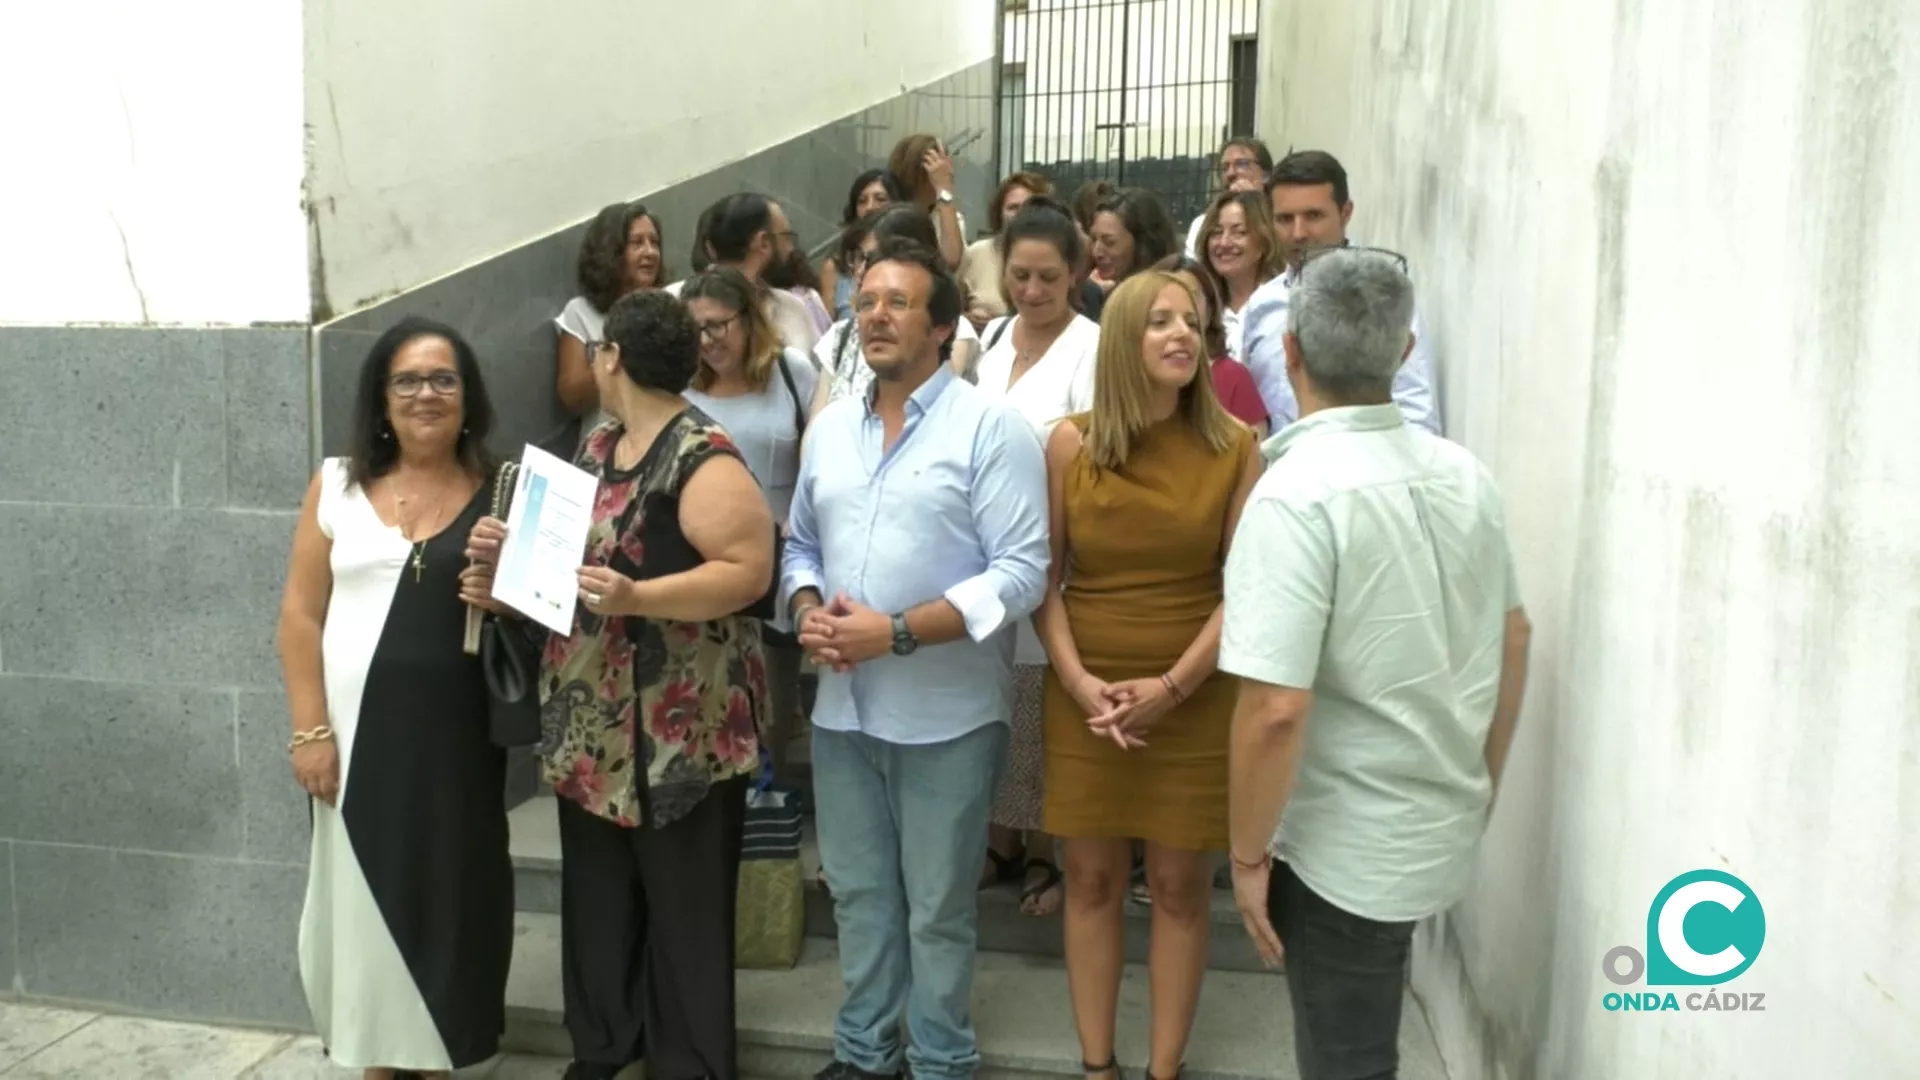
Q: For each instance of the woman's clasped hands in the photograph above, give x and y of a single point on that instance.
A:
(1122, 711)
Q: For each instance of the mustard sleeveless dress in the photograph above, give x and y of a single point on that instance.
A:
(1145, 548)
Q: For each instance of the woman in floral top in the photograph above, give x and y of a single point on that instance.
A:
(652, 710)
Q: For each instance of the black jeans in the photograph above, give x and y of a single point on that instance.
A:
(1347, 977)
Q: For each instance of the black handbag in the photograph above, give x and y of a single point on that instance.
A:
(510, 654)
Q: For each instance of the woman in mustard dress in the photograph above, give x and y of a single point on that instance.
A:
(1145, 492)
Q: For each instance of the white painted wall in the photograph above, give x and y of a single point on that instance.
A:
(1669, 254)
(446, 131)
(153, 162)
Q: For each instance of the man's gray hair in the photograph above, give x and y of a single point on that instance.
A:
(1352, 312)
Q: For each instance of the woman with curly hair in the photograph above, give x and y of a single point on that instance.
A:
(653, 705)
(619, 254)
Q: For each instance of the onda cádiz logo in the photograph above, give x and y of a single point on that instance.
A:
(1705, 928)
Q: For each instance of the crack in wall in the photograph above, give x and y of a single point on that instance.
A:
(133, 277)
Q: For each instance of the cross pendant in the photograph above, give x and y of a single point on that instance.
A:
(418, 565)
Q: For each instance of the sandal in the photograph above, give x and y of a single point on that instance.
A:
(1030, 895)
(1112, 1066)
(1138, 889)
(1006, 868)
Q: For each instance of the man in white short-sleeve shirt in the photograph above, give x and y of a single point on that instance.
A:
(1372, 615)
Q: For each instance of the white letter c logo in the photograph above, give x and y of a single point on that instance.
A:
(1673, 936)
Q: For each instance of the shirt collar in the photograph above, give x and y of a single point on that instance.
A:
(1344, 418)
(922, 399)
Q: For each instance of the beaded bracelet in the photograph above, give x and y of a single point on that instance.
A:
(323, 733)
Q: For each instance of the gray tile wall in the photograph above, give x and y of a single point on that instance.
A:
(152, 844)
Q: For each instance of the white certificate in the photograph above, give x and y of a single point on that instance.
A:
(546, 540)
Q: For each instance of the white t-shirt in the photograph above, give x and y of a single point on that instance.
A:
(1059, 385)
(582, 320)
(1193, 236)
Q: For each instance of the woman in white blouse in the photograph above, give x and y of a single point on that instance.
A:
(1040, 361)
(619, 254)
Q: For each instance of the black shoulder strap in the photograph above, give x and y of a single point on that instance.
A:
(793, 391)
(840, 346)
(1005, 321)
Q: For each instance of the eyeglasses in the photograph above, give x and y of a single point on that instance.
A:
(1314, 251)
(408, 384)
(714, 331)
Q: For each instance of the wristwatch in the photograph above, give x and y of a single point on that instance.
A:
(946, 196)
(903, 640)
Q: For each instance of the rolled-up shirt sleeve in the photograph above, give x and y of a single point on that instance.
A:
(1010, 515)
(800, 565)
(1279, 589)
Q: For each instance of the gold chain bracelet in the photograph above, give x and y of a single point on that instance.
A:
(323, 733)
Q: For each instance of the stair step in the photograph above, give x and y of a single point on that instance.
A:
(1243, 1031)
(1003, 928)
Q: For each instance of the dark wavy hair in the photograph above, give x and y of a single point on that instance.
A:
(1035, 183)
(659, 341)
(864, 181)
(1043, 219)
(373, 451)
(1145, 219)
(602, 268)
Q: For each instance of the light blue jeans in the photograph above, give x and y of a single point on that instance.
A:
(903, 831)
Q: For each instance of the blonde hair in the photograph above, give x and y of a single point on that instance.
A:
(1121, 388)
(731, 289)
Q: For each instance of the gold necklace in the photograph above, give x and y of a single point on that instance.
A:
(419, 559)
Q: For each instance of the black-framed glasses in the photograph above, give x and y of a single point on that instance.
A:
(717, 329)
(408, 383)
(1314, 251)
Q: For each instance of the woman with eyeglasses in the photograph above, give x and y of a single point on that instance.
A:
(619, 253)
(653, 703)
(407, 927)
(838, 352)
(873, 190)
(762, 394)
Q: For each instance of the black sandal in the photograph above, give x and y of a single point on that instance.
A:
(1148, 1073)
(1006, 868)
(1035, 891)
(1112, 1066)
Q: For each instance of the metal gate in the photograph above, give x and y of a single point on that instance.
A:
(1138, 92)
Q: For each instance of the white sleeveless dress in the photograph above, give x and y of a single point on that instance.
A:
(407, 929)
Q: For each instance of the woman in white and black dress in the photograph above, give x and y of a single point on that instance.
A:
(407, 928)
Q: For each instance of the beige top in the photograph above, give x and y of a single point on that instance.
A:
(980, 278)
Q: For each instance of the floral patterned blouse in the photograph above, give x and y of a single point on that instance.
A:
(641, 717)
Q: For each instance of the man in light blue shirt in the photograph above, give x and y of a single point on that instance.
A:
(1373, 619)
(1311, 209)
(918, 537)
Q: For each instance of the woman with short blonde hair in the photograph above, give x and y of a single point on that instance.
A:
(1143, 493)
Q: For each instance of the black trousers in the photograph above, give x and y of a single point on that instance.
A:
(1347, 977)
(646, 939)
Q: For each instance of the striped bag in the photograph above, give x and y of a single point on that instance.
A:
(770, 910)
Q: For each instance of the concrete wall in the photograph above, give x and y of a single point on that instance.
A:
(445, 133)
(1663, 251)
(153, 162)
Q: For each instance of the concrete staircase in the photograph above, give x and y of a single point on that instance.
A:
(1244, 1030)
